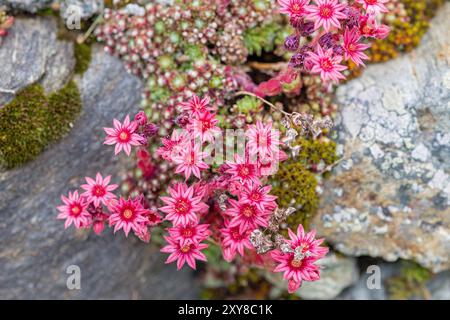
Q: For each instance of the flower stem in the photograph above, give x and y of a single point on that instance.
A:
(91, 29)
(247, 93)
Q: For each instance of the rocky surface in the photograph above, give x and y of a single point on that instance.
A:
(437, 288)
(390, 195)
(35, 249)
(337, 274)
(360, 290)
(31, 6)
(85, 8)
(32, 53)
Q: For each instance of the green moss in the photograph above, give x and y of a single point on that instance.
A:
(33, 120)
(295, 186)
(313, 151)
(411, 283)
(83, 55)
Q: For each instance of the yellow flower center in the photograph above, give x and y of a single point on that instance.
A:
(248, 211)
(76, 210)
(124, 136)
(296, 263)
(185, 248)
(128, 213)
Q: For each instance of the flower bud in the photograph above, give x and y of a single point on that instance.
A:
(141, 118)
(150, 130)
(291, 43)
(98, 227)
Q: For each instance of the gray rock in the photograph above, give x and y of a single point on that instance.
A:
(86, 8)
(364, 288)
(35, 248)
(32, 53)
(31, 6)
(439, 286)
(337, 274)
(393, 127)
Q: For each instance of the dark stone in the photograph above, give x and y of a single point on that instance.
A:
(35, 248)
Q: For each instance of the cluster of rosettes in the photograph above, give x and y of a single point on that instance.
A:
(328, 31)
(156, 29)
(97, 205)
(6, 22)
(222, 204)
(171, 48)
(232, 199)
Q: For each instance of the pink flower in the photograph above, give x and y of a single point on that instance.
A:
(382, 31)
(74, 211)
(374, 6)
(196, 105)
(204, 124)
(187, 252)
(299, 265)
(190, 160)
(327, 65)
(182, 206)
(246, 216)
(294, 8)
(193, 232)
(98, 217)
(143, 234)
(98, 191)
(127, 215)
(172, 146)
(262, 140)
(242, 170)
(310, 246)
(258, 195)
(123, 135)
(234, 241)
(353, 49)
(327, 14)
(368, 27)
(269, 165)
(152, 218)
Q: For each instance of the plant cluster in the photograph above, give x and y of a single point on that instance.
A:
(221, 202)
(196, 58)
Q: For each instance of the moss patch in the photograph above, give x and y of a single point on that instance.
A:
(410, 283)
(295, 184)
(314, 151)
(83, 55)
(33, 120)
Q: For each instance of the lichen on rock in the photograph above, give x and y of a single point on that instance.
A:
(389, 196)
